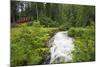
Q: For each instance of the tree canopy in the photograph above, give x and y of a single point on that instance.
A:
(52, 14)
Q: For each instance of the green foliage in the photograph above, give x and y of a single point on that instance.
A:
(84, 49)
(28, 44)
(77, 32)
(63, 16)
(48, 22)
(65, 26)
(28, 40)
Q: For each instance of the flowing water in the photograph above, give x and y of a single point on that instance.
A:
(61, 47)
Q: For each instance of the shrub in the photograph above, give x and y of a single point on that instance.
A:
(84, 49)
(78, 32)
(28, 44)
(48, 22)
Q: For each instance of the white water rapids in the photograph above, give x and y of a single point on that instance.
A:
(61, 46)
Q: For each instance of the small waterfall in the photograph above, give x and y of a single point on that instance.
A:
(61, 46)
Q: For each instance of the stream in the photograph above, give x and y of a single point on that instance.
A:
(61, 47)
